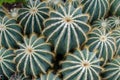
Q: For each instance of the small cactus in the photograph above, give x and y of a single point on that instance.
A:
(81, 65)
(33, 56)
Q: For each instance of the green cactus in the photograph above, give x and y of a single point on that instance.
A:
(10, 32)
(66, 28)
(34, 56)
(103, 42)
(112, 70)
(114, 22)
(116, 34)
(81, 65)
(115, 7)
(96, 8)
(102, 24)
(14, 13)
(7, 64)
(32, 15)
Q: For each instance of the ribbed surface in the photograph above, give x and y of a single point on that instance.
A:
(7, 65)
(81, 65)
(10, 32)
(112, 70)
(103, 42)
(114, 21)
(96, 8)
(102, 24)
(32, 15)
(66, 28)
(116, 34)
(115, 7)
(34, 56)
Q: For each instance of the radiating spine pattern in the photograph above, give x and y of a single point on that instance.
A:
(96, 8)
(7, 64)
(112, 70)
(103, 42)
(81, 65)
(10, 32)
(114, 22)
(34, 56)
(32, 15)
(66, 28)
(116, 35)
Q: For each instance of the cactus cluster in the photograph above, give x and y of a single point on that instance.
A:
(60, 40)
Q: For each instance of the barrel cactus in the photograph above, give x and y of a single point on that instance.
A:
(81, 65)
(49, 76)
(112, 70)
(103, 42)
(102, 24)
(32, 15)
(10, 32)
(96, 8)
(114, 21)
(66, 28)
(115, 7)
(33, 56)
(116, 35)
(7, 64)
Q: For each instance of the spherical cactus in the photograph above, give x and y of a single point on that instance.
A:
(115, 7)
(81, 65)
(96, 8)
(66, 28)
(7, 64)
(114, 21)
(116, 35)
(102, 24)
(10, 32)
(34, 56)
(32, 15)
(112, 70)
(103, 42)
(49, 76)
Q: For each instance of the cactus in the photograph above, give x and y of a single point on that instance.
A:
(116, 35)
(114, 22)
(112, 70)
(96, 8)
(102, 24)
(10, 32)
(7, 64)
(115, 7)
(32, 15)
(103, 42)
(66, 28)
(33, 56)
(81, 65)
